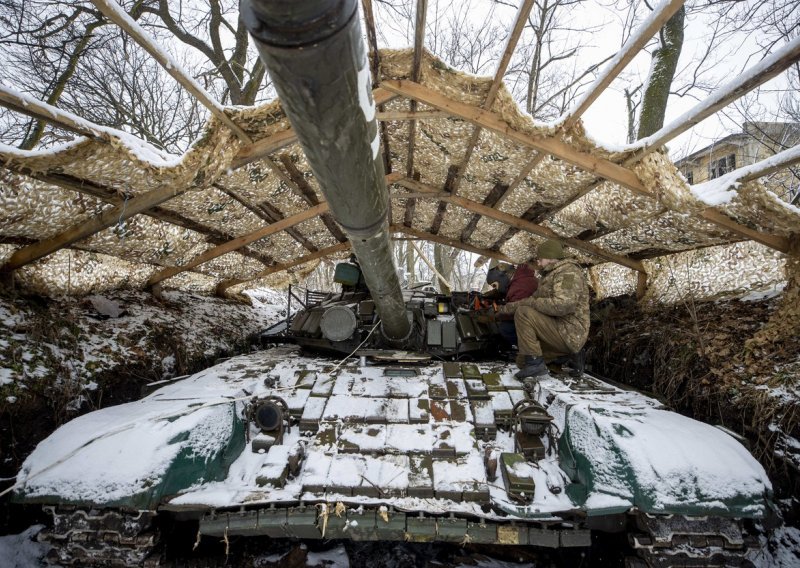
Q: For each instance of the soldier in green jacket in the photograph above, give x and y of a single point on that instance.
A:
(554, 321)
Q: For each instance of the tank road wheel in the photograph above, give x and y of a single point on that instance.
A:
(676, 540)
(96, 537)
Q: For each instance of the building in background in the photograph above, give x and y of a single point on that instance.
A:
(757, 141)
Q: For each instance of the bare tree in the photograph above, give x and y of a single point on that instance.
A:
(126, 89)
(232, 68)
(547, 71)
(65, 53)
(43, 43)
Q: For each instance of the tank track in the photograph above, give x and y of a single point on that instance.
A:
(94, 537)
(666, 541)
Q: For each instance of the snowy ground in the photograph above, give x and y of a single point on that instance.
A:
(78, 339)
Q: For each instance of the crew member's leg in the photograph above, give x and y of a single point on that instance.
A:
(508, 331)
(538, 334)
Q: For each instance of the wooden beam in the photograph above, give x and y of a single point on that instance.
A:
(766, 69)
(632, 47)
(40, 110)
(372, 40)
(372, 37)
(528, 226)
(239, 242)
(268, 213)
(779, 161)
(419, 38)
(416, 65)
(603, 168)
(410, 115)
(294, 177)
(490, 200)
(223, 286)
(419, 195)
(494, 122)
(82, 230)
(448, 242)
(110, 195)
(274, 215)
(745, 174)
(113, 12)
(513, 38)
(526, 170)
(450, 180)
(266, 146)
(722, 220)
(549, 211)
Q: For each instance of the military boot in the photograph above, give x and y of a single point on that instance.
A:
(534, 367)
(576, 363)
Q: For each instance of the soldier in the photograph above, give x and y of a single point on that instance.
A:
(523, 284)
(554, 321)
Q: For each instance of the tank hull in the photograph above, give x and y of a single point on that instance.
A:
(422, 452)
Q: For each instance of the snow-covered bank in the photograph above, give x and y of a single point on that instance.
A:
(734, 363)
(75, 340)
(60, 357)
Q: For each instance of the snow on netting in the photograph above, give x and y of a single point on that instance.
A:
(222, 194)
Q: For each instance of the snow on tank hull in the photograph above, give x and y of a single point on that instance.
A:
(400, 452)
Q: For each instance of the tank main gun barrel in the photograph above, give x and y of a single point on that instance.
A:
(316, 57)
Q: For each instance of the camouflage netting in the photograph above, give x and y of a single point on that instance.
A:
(704, 274)
(781, 331)
(221, 199)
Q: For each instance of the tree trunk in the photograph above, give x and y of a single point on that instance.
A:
(631, 105)
(662, 71)
(444, 264)
(411, 276)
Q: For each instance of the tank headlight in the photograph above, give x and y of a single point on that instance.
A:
(268, 416)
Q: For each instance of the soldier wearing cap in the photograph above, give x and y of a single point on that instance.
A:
(554, 321)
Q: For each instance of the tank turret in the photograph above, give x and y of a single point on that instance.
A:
(316, 57)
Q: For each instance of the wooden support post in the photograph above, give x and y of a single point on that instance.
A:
(641, 285)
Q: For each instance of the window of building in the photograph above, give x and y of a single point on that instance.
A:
(689, 175)
(717, 168)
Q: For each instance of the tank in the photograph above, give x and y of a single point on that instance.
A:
(377, 413)
(285, 445)
(437, 442)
